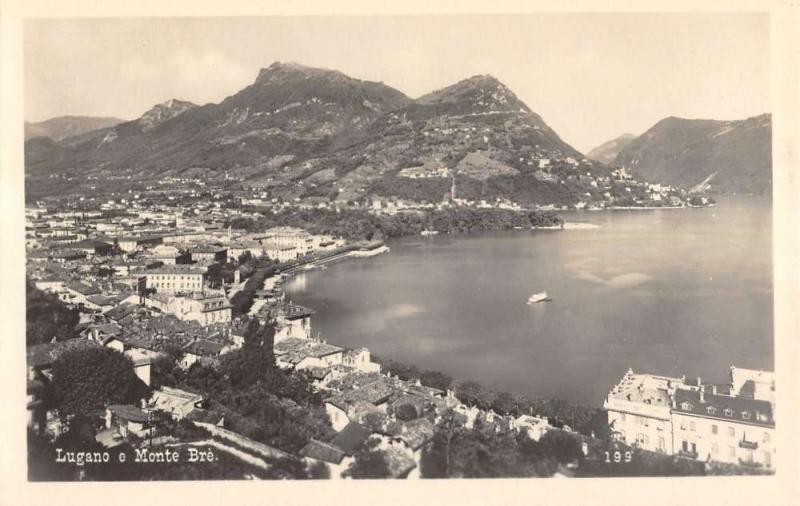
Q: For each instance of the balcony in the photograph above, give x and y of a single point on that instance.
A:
(687, 454)
(750, 445)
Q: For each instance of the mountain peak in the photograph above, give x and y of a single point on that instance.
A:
(164, 111)
(479, 93)
(278, 69)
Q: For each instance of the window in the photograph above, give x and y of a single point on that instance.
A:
(714, 429)
(691, 426)
(732, 452)
(711, 410)
(766, 437)
(746, 415)
(731, 432)
(686, 406)
(728, 412)
(661, 444)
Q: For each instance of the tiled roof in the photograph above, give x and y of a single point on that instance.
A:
(204, 347)
(84, 289)
(102, 300)
(645, 388)
(351, 438)
(294, 312)
(177, 269)
(205, 416)
(374, 393)
(128, 412)
(305, 348)
(90, 243)
(723, 407)
(322, 451)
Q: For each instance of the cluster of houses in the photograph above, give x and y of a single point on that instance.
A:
(366, 407)
(732, 422)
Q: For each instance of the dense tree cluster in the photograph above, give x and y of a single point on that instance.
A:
(584, 419)
(87, 379)
(47, 318)
(458, 452)
(368, 462)
(354, 224)
(259, 400)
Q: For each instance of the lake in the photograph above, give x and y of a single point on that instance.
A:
(671, 291)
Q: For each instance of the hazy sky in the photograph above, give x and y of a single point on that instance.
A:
(591, 76)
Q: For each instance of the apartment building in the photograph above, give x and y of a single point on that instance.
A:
(732, 423)
(176, 278)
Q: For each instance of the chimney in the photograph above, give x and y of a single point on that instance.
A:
(702, 394)
(714, 389)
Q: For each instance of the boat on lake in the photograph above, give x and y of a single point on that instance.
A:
(537, 297)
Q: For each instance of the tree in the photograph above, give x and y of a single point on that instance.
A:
(462, 453)
(469, 392)
(87, 379)
(435, 379)
(406, 412)
(562, 446)
(247, 365)
(504, 403)
(47, 318)
(368, 462)
(436, 464)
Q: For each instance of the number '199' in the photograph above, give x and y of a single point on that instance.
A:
(618, 457)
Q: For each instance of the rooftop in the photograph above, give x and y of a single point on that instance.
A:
(322, 451)
(724, 407)
(177, 269)
(128, 412)
(204, 347)
(351, 438)
(645, 389)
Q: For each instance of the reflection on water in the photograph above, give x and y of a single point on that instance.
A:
(296, 284)
(668, 291)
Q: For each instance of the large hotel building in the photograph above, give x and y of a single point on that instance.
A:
(732, 423)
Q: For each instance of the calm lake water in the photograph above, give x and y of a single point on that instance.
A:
(668, 291)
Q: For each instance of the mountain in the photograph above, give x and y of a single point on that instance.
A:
(67, 126)
(165, 111)
(730, 156)
(309, 132)
(607, 152)
(289, 111)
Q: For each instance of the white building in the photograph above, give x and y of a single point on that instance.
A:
(204, 308)
(176, 278)
(727, 428)
(732, 423)
(639, 411)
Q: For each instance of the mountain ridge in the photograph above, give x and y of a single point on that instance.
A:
(729, 155)
(62, 127)
(308, 132)
(607, 151)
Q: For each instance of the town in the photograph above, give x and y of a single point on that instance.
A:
(183, 320)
